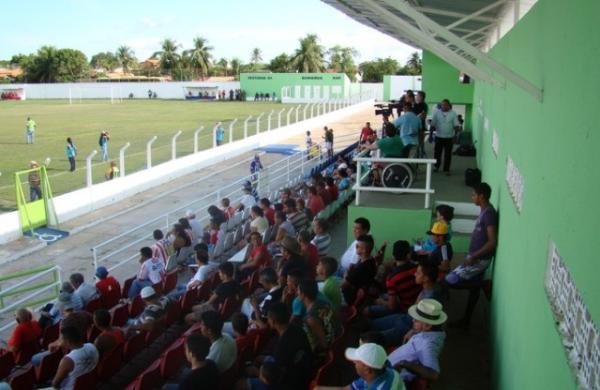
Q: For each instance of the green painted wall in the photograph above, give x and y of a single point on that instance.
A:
(390, 224)
(254, 83)
(556, 152)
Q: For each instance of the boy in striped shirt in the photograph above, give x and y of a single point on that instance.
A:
(322, 240)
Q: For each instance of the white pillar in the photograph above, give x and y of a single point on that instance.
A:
(279, 117)
(122, 158)
(174, 145)
(318, 108)
(297, 109)
(196, 146)
(246, 126)
(88, 167)
(304, 111)
(288, 116)
(149, 152)
(258, 122)
(231, 129)
(269, 120)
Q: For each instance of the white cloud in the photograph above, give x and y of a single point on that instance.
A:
(143, 47)
(149, 22)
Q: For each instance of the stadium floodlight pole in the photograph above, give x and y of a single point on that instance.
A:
(304, 111)
(174, 145)
(269, 120)
(122, 158)
(287, 123)
(231, 130)
(196, 138)
(279, 117)
(246, 126)
(88, 167)
(149, 152)
(297, 110)
(258, 122)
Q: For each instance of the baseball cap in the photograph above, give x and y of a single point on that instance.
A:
(101, 272)
(147, 292)
(370, 354)
(439, 228)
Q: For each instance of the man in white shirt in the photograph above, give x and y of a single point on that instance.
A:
(86, 291)
(151, 272)
(361, 226)
(248, 200)
(445, 123)
(196, 226)
(205, 271)
(223, 350)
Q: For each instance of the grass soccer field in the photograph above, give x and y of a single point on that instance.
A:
(134, 121)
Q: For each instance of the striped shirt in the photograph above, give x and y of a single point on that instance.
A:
(298, 220)
(322, 242)
(401, 284)
(388, 380)
(159, 250)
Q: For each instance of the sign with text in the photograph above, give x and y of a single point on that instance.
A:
(515, 182)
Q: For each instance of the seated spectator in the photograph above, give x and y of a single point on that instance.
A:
(67, 288)
(284, 227)
(228, 288)
(402, 291)
(204, 272)
(185, 223)
(204, 373)
(419, 356)
(331, 188)
(324, 193)
(109, 337)
(161, 246)
(442, 253)
(322, 240)
(361, 227)
(326, 270)
(344, 182)
(395, 326)
(269, 378)
(223, 351)
(301, 207)
(26, 333)
(82, 358)
(239, 327)
(260, 303)
(259, 222)
(285, 195)
(370, 364)
(195, 225)
(226, 208)
(248, 199)
(179, 239)
(315, 201)
(155, 310)
(291, 257)
(152, 271)
(309, 251)
(292, 351)
(216, 215)
(215, 233)
(371, 337)
(444, 213)
(361, 274)
(296, 218)
(258, 257)
(268, 211)
(52, 313)
(86, 291)
(366, 134)
(391, 145)
(320, 322)
(106, 284)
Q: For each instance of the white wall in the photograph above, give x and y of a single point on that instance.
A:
(399, 84)
(164, 90)
(79, 202)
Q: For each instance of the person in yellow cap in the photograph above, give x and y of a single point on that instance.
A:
(442, 254)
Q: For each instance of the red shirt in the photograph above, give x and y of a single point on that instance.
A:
(365, 133)
(315, 204)
(312, 255)
(325, 195)
(333, 192)
(270, 215)
(266, 256)
(116, 334)
(229, 211)
(401, 284)
(25, 332)
(108, 286)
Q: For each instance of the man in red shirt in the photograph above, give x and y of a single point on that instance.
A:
(332, 188)
(324, 193)
(109, 337)
(310, 252)
(107, 285)
(366, 134)
(269, 213)
(259, 257)
(25, 334)
(315, 202)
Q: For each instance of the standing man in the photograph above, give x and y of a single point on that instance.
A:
(445, 123)
(219, 134)
(35, 192)
(409, 125)
(30, 127)
(328, 141)
(71, 152)
(103, 142)
(420, 108)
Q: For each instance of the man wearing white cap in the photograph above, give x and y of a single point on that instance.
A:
(419, 356)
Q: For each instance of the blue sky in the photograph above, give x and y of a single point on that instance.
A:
(233, 27)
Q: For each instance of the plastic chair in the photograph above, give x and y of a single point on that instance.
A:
(172, 360)
(188, 300)
(323, 371)
(126, 286)
(170, 282)
(50, 334)
(228, 378)
(86, 381)
(110, 363)
(119, 315)
(23, 379)
(173, 313)
(228, 307)
(136, 307)
(7, 362)
(418, 384)
(93, 305)
(149, 379)
(27, 351)
(134, 345)
(92, 333)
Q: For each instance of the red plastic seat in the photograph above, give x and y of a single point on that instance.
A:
(119, 315)
(173, 313)
(7, 362)
(418, 384)
(50, 334)
(158, 287)
(193, 329)
(172, 360)
(45, 371)
(149, 379)
(153, 334)
(228, 307)
(323, 371)
(93, 333)
(134, 345)
(136, 307)
(126, 286)
(204, 292)
(110, 363)
(348, 314)
(23, 379)
(170, 282)
(93, 305)
(262, 339)
(228, 378)
(86, 381)
(27, 351)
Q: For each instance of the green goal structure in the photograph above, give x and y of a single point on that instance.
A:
(34, 199)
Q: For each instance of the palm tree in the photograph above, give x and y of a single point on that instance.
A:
(235, 66)
(223, 63)
(414, 63)
(125, 57)
(45, 66)
(168, 54)
(200, 56)
(256, 56)
(309, 57)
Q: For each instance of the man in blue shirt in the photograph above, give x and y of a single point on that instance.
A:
(445, 123)
(409, 125)
(219, 134)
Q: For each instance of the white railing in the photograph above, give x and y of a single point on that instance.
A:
(360, 174)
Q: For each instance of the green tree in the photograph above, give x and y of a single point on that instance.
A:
(104, 60)
(309, 57)
(414, 64)
(236, 65)
(255, 57)
(50, 65)
(200, 56)
(341, 59)
(168, 55)
(224, 64)
(280, 64)
(373, 71)
(125, 57)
